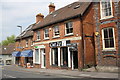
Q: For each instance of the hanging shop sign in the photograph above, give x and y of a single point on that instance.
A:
(72, 44)
(73, 48)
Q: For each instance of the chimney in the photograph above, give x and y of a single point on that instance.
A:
(51, 8)
(39, 17)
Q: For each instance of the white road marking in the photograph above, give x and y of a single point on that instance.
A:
(9, 76)
(86, 75)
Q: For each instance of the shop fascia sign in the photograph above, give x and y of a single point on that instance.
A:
(41, 46)
(62, 43)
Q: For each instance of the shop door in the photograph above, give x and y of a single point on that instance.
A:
(43, 58)
(74, 59)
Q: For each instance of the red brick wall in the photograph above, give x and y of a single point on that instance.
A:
(88, 28)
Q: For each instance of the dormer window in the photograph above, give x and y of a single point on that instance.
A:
(106, 9)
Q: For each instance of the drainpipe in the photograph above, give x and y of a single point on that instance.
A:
(82, 49)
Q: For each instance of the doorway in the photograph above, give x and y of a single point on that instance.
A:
(43, 65)
(74, 59)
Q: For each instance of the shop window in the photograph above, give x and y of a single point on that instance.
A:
(106, 9)
(69, 27)
(54, 56)
(56, 31)
(108, 38)
(36, 55)
(46, 33)
(64, 56)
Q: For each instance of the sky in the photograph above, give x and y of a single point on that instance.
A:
(23, 12)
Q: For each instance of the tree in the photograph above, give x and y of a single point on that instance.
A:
(10, 39)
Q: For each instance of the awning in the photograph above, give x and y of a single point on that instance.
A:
(16, 54)
(27, 53)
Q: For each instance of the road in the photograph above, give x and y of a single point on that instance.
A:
(14, 74)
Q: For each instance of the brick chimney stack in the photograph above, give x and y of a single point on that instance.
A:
(51, 8)
(39, 17)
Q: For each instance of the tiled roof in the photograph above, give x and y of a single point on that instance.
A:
(7, 49)
(27, 32)
(67, 12)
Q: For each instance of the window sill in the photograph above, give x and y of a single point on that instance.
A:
(106, 17)
(36, 63)
(108, 50)
(71, 34)
(46, 39)
(37, 40)
(56, 37)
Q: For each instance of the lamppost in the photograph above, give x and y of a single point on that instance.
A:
(20, 34)
(20, 28)
(20, 40)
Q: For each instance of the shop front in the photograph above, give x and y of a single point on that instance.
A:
(16, 56)
(64, 54)
(39, 58)
(27, 58)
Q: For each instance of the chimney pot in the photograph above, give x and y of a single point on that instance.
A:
(39, 17)
(51, 8)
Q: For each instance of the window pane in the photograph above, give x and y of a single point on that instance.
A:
(112, 42)
(65, 56)
(67, 31)
(38, 34)
(106, 9)
(54, 56)
(106, 43)
(36, 55)
(110, 32)
(46, 33)
(56, 30)
(69, 28)
(105, 33)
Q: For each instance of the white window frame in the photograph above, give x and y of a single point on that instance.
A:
(27, 42)
(101, 11)
(66, 28)
(37, 35)
(31, 42)
(35, 57)
(54, 31)
(104, 42)
(53, 57)
(45, 33)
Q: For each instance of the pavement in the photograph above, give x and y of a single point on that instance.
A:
(73, 73)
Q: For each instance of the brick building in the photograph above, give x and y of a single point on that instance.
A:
(107, 21)
(65, 37)
(79, 35)
(24, 47)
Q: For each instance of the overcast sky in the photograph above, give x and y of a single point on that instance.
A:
(23, 12)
